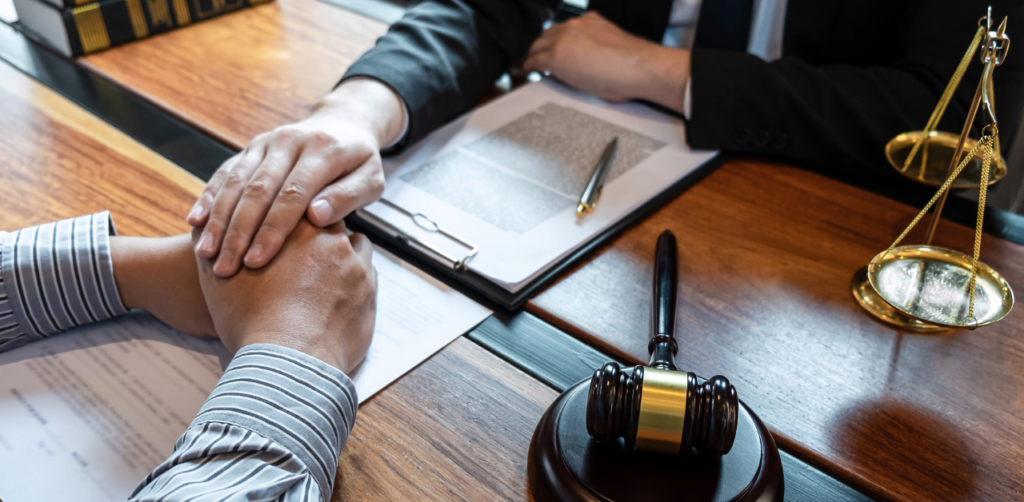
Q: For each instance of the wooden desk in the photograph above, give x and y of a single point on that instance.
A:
(766, 256)
(245, 73)
(415, 440)
(767, 253)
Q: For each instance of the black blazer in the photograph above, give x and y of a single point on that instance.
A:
(854, 73)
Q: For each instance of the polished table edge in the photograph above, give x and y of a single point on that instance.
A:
(525, 341)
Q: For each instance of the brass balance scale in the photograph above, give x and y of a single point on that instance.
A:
(925, 288)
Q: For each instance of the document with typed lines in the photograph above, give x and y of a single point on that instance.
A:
(85, 415)
(507, 177)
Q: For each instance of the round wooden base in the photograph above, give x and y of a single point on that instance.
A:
(565, 464)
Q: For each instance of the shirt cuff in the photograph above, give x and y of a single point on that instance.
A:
(55, 277)
(686, 99)
(294, 399)
(405, 112)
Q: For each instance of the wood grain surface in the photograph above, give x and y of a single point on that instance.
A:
(59, 161)
(246, 72)
(455, 428)
(766, 253)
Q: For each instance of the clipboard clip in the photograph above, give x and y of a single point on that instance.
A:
(423, 221)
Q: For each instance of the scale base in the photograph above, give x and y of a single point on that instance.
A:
(566, 464)
(878, 308)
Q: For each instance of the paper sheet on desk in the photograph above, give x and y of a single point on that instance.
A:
(85, 415)
(507, 177)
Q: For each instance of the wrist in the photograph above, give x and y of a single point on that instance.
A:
(370, 104)
(140, 263)
(125, 255)
(666, 72)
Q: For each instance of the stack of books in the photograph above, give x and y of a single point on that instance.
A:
(78, 27)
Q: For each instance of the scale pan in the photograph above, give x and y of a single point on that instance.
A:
(936, 153)
(869, 300)
(932, 284)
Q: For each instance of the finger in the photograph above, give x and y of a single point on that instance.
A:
(546, 41)
(311, 174)
(540, 63)
(260, 192)
(227, 198)
(359, 188)
(201, 209)
(203, 263)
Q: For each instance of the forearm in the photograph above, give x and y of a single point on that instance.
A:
(661, 74)
(370, 103)
(272, 429)
(839, 114)
(835, 117)
(160, 275)
(441, 57)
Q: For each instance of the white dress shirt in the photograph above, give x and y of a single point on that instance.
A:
(765, 39)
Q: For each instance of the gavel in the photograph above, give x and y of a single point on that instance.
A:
(658, 408)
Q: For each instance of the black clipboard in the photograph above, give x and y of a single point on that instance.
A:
(492, 295)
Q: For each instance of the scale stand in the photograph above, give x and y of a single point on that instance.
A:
(930, 289)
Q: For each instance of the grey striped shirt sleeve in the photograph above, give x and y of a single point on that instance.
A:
(56, 276)
(271, 430)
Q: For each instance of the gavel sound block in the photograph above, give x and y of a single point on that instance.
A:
(653, 433)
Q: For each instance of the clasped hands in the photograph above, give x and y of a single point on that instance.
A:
(329, 164)
(317, 296)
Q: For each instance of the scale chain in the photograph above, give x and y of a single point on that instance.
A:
(943, 188)
(986, 162)
(986, 142)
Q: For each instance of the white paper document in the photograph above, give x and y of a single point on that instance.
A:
(85, 415)
(507, 177)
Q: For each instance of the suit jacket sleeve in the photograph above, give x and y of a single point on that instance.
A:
(443, 55)
(838, 116)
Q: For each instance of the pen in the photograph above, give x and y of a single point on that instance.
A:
(590, 194)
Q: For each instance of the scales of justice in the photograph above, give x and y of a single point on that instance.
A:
(925, 288)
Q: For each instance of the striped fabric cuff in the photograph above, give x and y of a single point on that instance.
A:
(292, 398)
(56, 276)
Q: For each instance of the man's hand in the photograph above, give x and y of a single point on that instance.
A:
(317, 296)
(323, 167)
(160, 275)
(591, 53)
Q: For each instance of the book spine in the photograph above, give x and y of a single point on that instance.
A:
(97, 26)
(70, 4)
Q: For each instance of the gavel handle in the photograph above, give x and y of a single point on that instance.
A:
(662, 346)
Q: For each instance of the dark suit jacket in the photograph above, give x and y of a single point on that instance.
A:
(854, 73)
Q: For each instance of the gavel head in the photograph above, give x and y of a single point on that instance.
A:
(661, 410)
